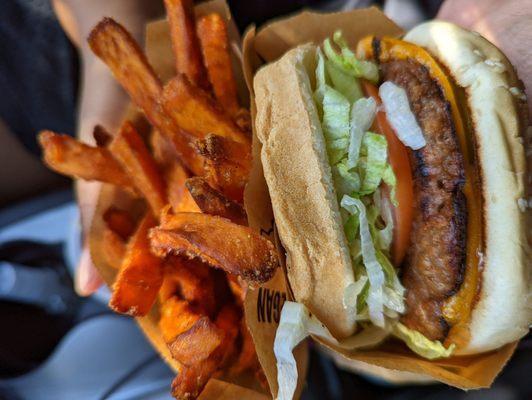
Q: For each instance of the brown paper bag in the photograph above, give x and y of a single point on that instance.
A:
(266, 45)
(160, 55)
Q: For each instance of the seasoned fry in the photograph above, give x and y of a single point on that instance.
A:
(212, 202)
(66, 155)
(101, 136)
(162, 149)
(192, 379)
(236, 249)
(197, 343)
(194, 111)
(115, 46)
(243, 119)
(119, 221)
(247, 358)
(175, 175)
(178, 194)
(227, 165)
(212, 35)
(193, 281)
(130, 150)
(182, 23)
(141, 274)
(114, 248)
(176, 317)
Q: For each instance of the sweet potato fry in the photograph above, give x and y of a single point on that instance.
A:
(64, 154)
(243, 119)
(212, 202)
(130, 150)
(184, 41)
(193, 281)
(114, 248)
(194, 111)
(119, 221)
(197, 343)
(178, 194)
(114, 46)
(101, 136)
(140, 276)
(192, 379)
(247, 358)
(227, 165)
(212, 35)
(174, 173)
(176, 317)
(236, 249)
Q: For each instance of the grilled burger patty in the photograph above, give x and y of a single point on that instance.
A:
(434, 265)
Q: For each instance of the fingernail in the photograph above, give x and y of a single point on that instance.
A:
(87, 279)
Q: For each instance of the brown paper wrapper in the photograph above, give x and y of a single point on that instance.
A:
(159, 53)
(266, 45)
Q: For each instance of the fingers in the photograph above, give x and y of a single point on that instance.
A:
(87, 279)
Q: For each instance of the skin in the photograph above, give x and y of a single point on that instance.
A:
(505, 23)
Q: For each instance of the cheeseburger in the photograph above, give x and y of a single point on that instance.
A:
(396, 171)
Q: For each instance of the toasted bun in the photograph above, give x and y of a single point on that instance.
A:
(497, 108)
(299, 179)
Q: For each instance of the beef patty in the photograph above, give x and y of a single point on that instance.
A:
(434, 265)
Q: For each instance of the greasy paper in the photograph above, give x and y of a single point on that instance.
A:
(160, 56)
(265, 45)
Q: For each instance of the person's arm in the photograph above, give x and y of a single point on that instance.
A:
(101, 101)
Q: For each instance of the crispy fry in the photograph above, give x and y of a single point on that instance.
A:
(140, 276)
(178, 194)
(175, 175)
(197, 343)
(247, 358)
(176, 317)
(119, 221)
(212, 202)
(182, 23)
(193, 281)
(162, 149)
(114, 248)
(66, 155)
(115, 46)
(212, 35)
(101, 136)
(194, 111)
(243, 119)
(236, 249)
(130, 150)
(192, 379)
(227, 165)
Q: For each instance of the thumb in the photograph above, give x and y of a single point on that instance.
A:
(87, 279)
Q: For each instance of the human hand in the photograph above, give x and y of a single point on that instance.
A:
(507, 24)
(101, 100)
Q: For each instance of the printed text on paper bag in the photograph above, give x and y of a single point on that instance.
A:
(269, 305)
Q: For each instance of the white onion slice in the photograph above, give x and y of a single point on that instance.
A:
(400, 115)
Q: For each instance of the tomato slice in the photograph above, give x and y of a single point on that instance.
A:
(404, 193)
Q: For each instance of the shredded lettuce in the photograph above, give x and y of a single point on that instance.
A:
(346, 60)
(343, 82)
(335, 114)
(419, 344)
(296, 323)
(362, 115)
(376, 149)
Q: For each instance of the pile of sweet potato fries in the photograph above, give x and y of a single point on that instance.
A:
(191, 252)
